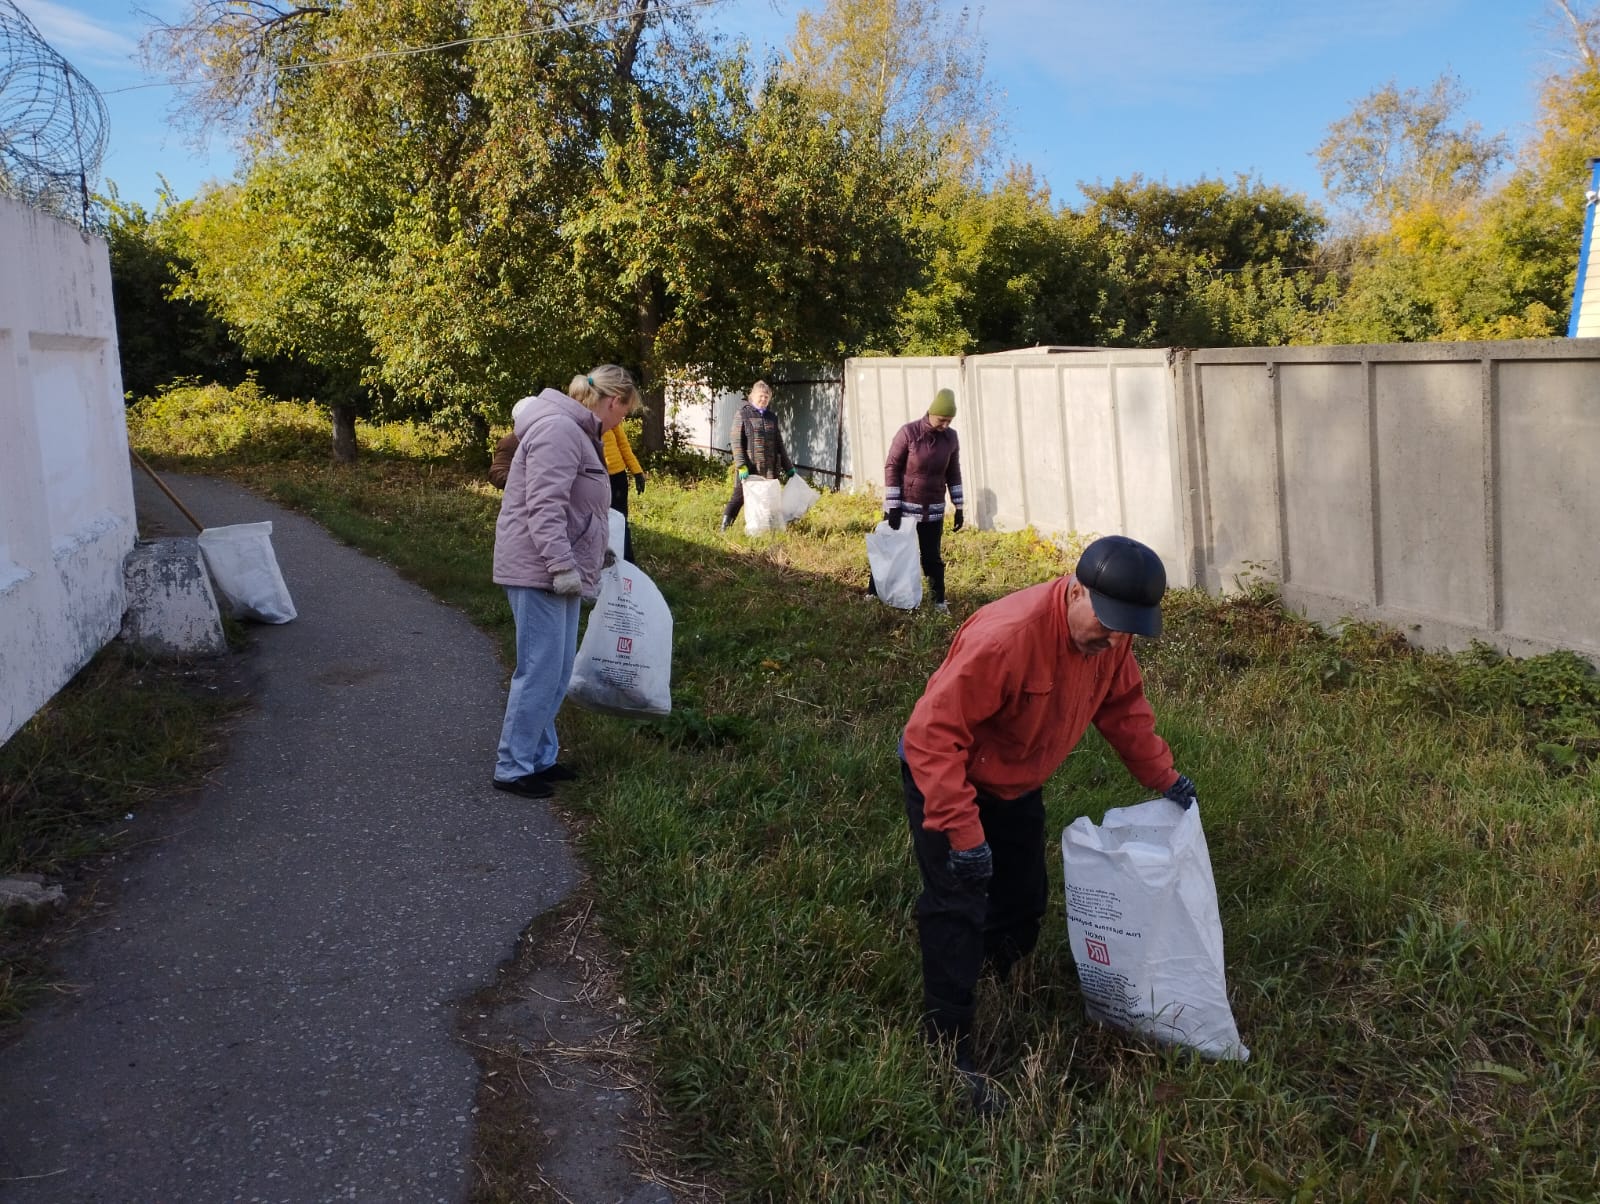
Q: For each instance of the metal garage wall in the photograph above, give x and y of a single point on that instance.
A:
(809, 403)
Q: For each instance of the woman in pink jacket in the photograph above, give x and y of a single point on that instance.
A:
(549, 548)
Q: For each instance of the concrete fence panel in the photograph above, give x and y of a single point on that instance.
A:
(1546, 427)
(1447, 490)
(881, 395)
(1440, 489)
(1327, 485)
(66, 494)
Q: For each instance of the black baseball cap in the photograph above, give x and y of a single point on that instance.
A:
(1125, 581)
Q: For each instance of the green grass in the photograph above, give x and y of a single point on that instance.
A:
(1405, 848)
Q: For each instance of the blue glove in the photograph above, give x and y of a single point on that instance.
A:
(743, 473)
(1182, 792)
(972, 867)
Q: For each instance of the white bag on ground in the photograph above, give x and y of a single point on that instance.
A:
(624, 663)
(1145, 931)
(896, 564)
(245, 570)
(798, 497)
(763, 505)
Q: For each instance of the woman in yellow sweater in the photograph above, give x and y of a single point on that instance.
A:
(621, 463)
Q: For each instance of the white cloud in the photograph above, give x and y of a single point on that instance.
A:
(84, 40)
(1165, 49)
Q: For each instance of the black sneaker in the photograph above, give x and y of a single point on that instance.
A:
(987, 1099)
(557, 772)
(530, 786)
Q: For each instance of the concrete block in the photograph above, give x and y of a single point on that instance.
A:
(172, 610)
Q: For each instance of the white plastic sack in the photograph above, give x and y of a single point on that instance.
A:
(896, 565)
(1146, 935)
(246, 572)
(798, 497)
(617, 533)
(624, 664)
(763, 505)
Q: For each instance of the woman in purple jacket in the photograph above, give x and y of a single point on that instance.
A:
(549, 548)
(924, 461)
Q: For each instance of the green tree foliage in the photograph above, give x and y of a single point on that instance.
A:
(160, 338)
(1397, 157)
(542, 189)
(905, 71)
(1172, 253)
(1439, 252)
(1006, 269)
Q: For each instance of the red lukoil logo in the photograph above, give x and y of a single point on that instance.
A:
(624, 645)
(627, 585)
(1098, 951)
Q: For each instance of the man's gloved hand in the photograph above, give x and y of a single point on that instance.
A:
(892, 517)
(567, 582)
(609, 559)
(638, 482)
(743, 472)
(1182, 792)
(972, 867)
(961, 520)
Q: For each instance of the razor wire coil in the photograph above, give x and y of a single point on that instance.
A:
(52, 122)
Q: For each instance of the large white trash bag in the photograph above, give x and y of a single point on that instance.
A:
(242, 564)
(624, 664)
(798, 497)
(617, 532)
(1145, 931)
(896, 564)
(763, 505)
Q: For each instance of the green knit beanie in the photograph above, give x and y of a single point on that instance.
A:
(944, 404)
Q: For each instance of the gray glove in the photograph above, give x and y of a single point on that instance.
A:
(972, 867)
(1182, 792)
(567, 582)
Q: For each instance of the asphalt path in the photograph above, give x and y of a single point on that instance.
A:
(267, 1011)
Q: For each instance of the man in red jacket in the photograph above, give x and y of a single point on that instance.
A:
(1023, 681)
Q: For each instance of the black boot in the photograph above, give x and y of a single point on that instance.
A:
(985, 1097)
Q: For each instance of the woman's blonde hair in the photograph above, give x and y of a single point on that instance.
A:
(760, 386)
(607, 380)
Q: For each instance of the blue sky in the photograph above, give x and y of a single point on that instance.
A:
(1092, 89)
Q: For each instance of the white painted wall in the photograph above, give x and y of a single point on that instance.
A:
(66, 494)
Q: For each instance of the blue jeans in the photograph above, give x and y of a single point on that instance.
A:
(547, 644)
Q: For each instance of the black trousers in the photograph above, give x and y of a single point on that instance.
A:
(929, 538)
(962, 928)
(619, 501)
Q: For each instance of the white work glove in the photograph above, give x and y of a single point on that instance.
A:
(567, 582)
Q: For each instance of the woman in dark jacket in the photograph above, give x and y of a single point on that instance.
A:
(924, 461)
(757, 447)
